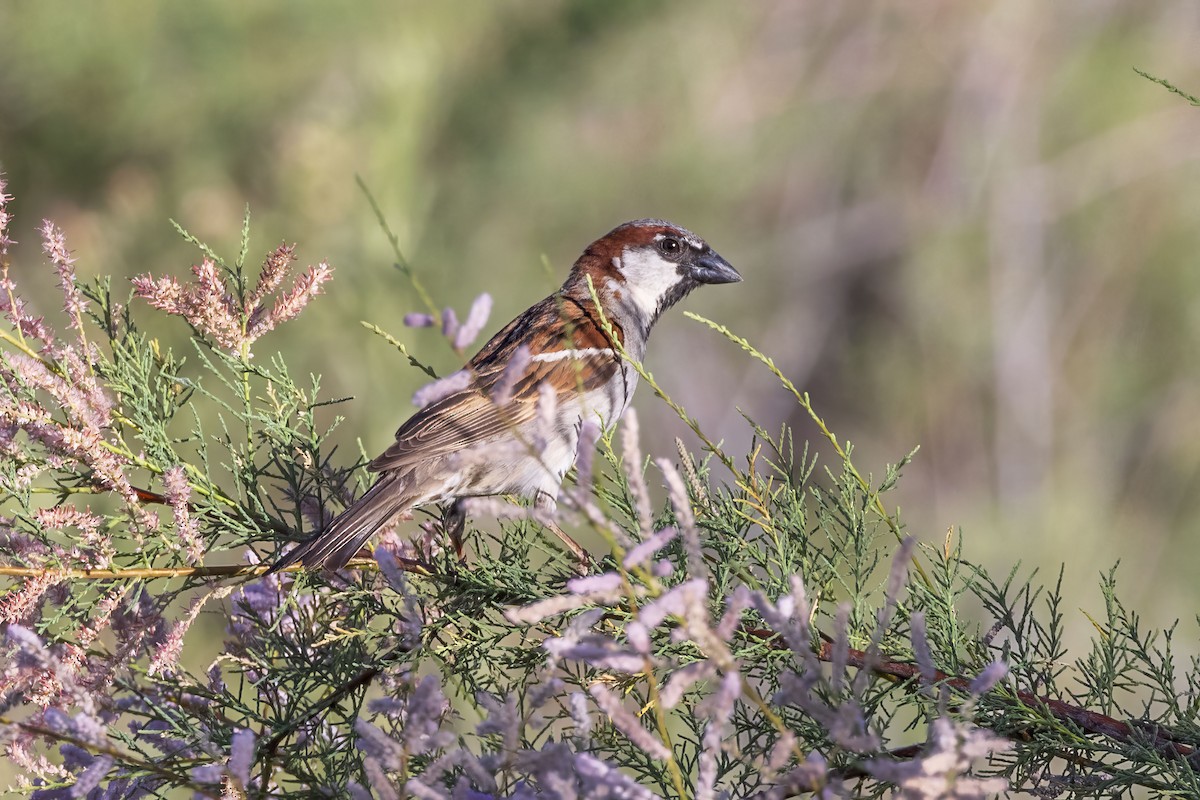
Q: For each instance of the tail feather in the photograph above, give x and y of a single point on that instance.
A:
(333, 547)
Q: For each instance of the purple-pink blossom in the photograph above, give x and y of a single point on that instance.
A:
(241, 755)
(210, 306)
(274, 271)
(417, 320)
(631, 462)
(683, 512)
(442, 388)
(177, 491)
(643, 551)
(449, 323)
(514, 370)
(54, 245)
(627, 723)
(477, 317)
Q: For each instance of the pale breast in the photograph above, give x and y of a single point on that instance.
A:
(522, 469)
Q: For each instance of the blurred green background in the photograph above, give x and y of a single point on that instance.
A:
(965, 226)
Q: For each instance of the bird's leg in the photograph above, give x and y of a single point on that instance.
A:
(454, 520)
(546, 503)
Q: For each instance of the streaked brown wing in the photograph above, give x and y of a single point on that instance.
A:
(466, 418)
(448, 425)
(546, 326)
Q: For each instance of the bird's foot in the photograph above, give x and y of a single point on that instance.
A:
(454, 522)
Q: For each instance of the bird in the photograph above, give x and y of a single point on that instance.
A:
(511, 425)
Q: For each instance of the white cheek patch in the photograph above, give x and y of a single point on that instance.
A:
(648, 278)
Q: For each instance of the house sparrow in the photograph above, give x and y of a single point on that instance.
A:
(485, 437)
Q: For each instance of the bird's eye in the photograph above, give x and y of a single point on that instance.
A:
(668, 245)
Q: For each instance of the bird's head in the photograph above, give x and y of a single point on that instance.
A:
(646, 266)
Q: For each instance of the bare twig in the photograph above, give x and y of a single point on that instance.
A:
(1090, 721)
(229, 571)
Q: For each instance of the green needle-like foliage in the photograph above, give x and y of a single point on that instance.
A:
(767, 630)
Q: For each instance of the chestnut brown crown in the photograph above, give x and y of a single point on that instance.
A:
(650, 263)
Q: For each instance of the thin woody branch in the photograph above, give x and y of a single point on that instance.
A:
(232, 571)
(1089, 721)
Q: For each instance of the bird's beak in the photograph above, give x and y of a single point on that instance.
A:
(711, 268)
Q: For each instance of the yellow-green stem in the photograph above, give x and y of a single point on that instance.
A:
(806, 403)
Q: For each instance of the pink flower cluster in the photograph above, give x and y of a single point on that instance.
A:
(52, 392)
(212, 307)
